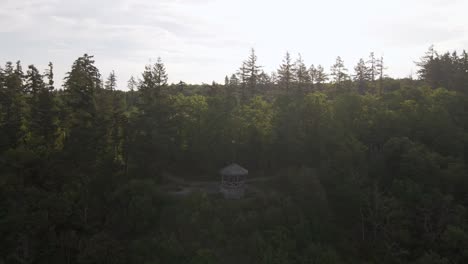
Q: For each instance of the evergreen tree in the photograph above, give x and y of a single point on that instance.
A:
(131, 96)
(2, 81)
(461, 78)
(243, 79)
(285, 73)
(313, 75)
(429, 68)
(159, 73)
(34, 81)
(339, 72)
(252, 70)
(81, 83)
(154, 78)
(232, 89)
(372, 67)
(320, 77)
(50, 77)
(301, 74)
(149, 91)
(153, 125)
(44, 123)
(264, 79)
(19, 77)
(274, 77)
(181, 86)
(13, 105)
(361, 76)
(380, 71)
(132, 84)
(234, 81)
(111, 82)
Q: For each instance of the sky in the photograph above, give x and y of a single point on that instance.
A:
(201, 41)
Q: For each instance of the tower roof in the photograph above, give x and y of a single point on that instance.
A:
(234, 169)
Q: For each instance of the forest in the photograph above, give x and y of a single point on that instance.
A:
(363, 168)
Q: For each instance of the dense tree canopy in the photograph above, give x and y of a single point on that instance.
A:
(361, 169)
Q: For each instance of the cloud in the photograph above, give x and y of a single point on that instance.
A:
(134, 30)
(201, 40)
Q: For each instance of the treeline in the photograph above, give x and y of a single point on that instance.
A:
(448, 70)
(294, 77)
(80, 167)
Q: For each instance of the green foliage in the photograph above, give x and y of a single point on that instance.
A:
(368, 170)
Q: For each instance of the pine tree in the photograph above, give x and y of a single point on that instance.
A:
(44, 122)
(111, 82)
(274, 77)
(234, 81)
(19, 76)
(81, 86)
(109, 100)
(264, 79)
(130, 96)
(361, 76)
(81, 83)
(312, 74)
(2, 80)
(86, 133)
(159, 73)
(285, 73)
(429, 68)
(372, 67)
(461, 79)
(13, 106)
(214, 89)
(148, 90)
(50, 77)
(252, 71)
(153, 126)
(34, 81)
(2, 96)
(132, 84)
(320, 77)
(243, 78)
(380, 71)
(301, 74)
(339, 72)
(242, 73)
(233, 86)
(181, 86)
(154, 78)
(113, 120)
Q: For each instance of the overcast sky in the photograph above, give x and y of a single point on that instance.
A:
(204, 40)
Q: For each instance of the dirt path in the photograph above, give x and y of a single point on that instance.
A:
(211, 187)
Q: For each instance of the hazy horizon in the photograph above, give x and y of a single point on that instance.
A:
(201, 41)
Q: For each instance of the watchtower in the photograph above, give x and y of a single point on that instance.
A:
(233, 181)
